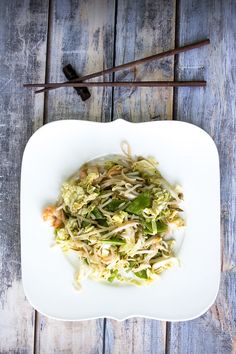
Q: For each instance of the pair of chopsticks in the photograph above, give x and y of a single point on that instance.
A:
(80, 82)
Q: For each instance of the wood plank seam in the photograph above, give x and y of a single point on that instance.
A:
(48, 59)
(174, 110)
(36, 324)
(104, 336)
(114, 56)
(112, 112)
(176, 59)
(35, 331)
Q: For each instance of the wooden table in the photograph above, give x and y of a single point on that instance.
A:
(36, 39)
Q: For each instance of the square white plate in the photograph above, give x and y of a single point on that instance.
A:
(187, 155)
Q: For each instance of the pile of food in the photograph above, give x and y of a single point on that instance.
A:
(118, 214)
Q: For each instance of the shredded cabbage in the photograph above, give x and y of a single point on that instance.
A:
(116, 213)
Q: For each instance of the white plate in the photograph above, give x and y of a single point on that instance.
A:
(187, 155)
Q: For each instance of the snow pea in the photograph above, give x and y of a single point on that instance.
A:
(137, 205)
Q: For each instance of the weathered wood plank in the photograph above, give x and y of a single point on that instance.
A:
(144, 27)
(137, 335)
(81, 33)
(214, 110)
(57, 337)
(23, 34)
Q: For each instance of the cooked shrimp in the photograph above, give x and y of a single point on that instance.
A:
(55, 216)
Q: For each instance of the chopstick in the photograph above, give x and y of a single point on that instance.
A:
(130, 64)
(122, 84)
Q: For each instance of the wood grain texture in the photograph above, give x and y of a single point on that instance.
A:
(23, 32)
(81, 33)
(214, 110)
(144, 27)
(136, 335)
(57, 337)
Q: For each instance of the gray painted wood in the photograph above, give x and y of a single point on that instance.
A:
(57, 337)
(23, 33)
(80, 33)
(136, 335)
(139, 33)
(214, 110)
